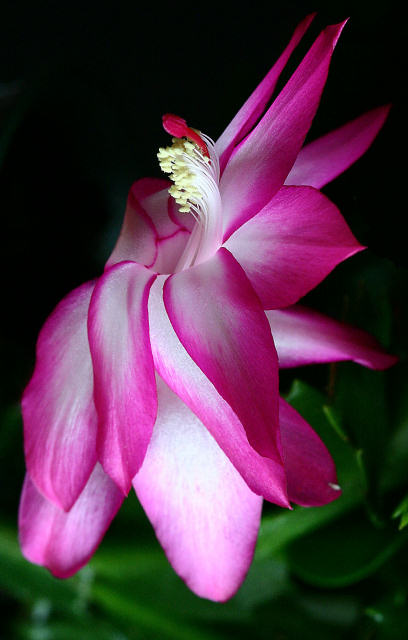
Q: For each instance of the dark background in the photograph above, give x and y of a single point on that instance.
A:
(82, 90)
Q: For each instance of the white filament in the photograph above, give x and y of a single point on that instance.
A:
(195, 189)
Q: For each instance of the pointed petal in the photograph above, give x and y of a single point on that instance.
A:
(292, 245)
(324, 159)
(125, 388)
(205, 516)
(303, 336)
(264, 476)
(154, 233)
(221, 324)
(253, 108)
(312, 480)
(260, 164)
(64, 541)
(59, 415)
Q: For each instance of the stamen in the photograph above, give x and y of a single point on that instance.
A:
(192, 164)
(182, 161)
(188, 163)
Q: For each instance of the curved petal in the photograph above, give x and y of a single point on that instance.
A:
(153, 196)
(312, 480)
(260, 164)
(169, 251)
(125, 388)
(264, 476)
(205, 516)
(324, 159)
(64, 541)
(137, 238)
(59, 415)
(221, 324)
(303, 336)
(292, 245)
(154, 233)
(253, 108)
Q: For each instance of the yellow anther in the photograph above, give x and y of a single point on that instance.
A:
(173, 161)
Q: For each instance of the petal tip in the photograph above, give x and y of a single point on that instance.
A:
(385, 361)
(63, 500)
(122, 480)
(337, 29)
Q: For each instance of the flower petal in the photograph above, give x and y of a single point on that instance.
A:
(205, 516)
(260, 164)
(249, 113)
(292, 245)
(311, 473)
(324, 159)
(125, 388)
(137, 239)
(64, 541)
(59, 415)
(221, 324)
(264, 476)
(303, 336)
(154, 233)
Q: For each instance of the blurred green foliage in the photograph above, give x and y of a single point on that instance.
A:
(80, 106)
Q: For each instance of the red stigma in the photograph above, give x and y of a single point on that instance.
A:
(177, 127)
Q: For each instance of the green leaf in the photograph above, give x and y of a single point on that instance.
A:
(402, 512)
(312, 405)
(334, 419)
(27, 582)
(142, 574)
(154, 622)
(387, 619)
(279, 530)
(129, 599)
(361, 401)
(395, 464)
(344, 552)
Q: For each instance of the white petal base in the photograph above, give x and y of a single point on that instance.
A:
(204, 514)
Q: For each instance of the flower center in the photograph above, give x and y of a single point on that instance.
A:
(192, 164)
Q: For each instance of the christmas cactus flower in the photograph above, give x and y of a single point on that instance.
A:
(163, 373)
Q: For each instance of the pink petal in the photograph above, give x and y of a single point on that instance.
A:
(292, 245)
(324, 159)
(204, 515)
(154, 233)
(137, 239)
(263, 476)
(311, 473)
(304, 337)
(260, 164)
(221, 324)
(59, 415)
(64, 541)
(125, 388)
(153, 196)
(169, 251)
(249, 113)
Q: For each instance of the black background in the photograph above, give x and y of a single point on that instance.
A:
(82, 90)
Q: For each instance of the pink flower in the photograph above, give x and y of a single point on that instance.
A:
(163, 373)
